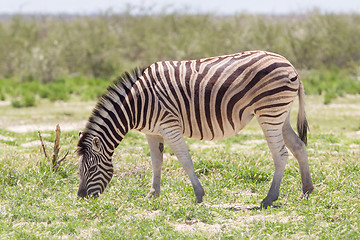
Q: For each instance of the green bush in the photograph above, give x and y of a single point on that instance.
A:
(55, 59)
(26, 99)
(58, 91)
(328, 97)
(47, 49)
(2, 95)
(331, 83)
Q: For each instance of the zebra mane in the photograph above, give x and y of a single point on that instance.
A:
(123, 81)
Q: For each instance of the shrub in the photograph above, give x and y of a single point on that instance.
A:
(27, 99)
(58, 91)
(331, 83)
(55, 58)
(101, 46)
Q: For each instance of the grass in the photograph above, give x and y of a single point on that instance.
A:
(57, 67)
(28, 93)
(36, 203)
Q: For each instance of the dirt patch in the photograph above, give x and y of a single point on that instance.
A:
(233, 206)
(87, 233)
(243, 218)
(6, 138)
(148, 214)
(34, 127)
(5, 103)
(127, 170)
(255, 142)
(144, 215)
(204, 145)
(34, 143)
(195, 225)
(234, 147)
(3, 210)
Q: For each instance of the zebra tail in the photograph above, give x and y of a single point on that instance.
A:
(302, 124)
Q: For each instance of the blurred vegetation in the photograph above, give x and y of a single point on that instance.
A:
(56, 56)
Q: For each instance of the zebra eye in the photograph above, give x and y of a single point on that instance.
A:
(92, 168)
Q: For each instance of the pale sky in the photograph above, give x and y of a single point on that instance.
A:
(192, 6)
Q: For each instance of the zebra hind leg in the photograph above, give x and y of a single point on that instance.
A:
(275, 141)
(298, 149)
(156, 145)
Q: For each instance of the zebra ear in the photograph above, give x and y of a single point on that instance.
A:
(81, 134)
(96, 144)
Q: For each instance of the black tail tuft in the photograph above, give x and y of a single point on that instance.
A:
(302, 124)
(302, 128)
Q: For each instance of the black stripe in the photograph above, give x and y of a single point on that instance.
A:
(272, 106)
(121, 116)
(258, 76)
(265, 94)
(157, 114)
(283, 149)
(158, 89)
(273, 124)
(196, 91)
(170, 121)
(187, 77)
(144, 108)
(160, 80)
(273, 79)
(132, 109)
(127, 123)
(227, 82)
(272, 116)
(187, 88)
(172, 88)
(152, 107)
(109, 123)
(137, 110)
(181, 90)
(103, 134)
(209, 88)
(196, 99)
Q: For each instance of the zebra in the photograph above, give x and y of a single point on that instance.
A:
(207, 99)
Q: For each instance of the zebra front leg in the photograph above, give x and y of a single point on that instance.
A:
(279, 154)
(174, 138)
(156, 145)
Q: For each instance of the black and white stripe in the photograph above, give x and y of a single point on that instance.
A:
(207, 99)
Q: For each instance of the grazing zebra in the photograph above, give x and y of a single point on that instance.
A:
(207, 99)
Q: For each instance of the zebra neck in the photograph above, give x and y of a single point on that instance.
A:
(115, 114)
(110, 122)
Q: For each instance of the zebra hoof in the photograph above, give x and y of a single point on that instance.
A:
(152, 194)
(265, 204)
(199, 199)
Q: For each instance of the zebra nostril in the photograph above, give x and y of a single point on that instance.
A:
(82, 193)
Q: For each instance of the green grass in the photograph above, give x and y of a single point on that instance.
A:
(28, 93)
(36, 203)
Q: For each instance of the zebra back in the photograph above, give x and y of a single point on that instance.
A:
(214, 98)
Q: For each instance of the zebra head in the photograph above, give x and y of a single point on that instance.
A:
(95, 168)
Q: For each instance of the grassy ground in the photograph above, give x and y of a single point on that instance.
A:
(36, 203)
